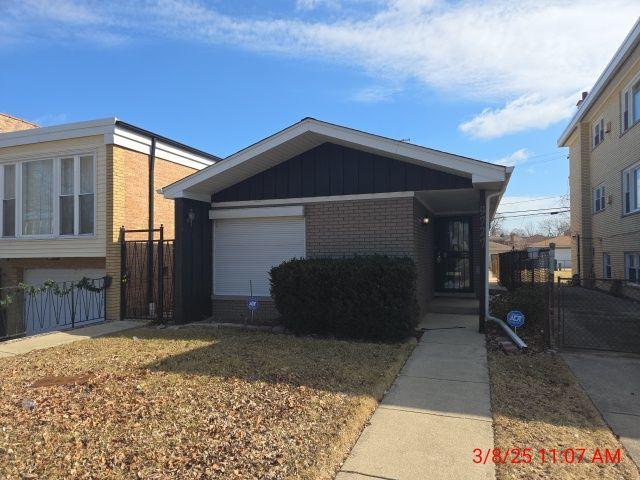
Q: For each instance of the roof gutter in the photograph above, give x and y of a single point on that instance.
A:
(629, 43)
(165, 140)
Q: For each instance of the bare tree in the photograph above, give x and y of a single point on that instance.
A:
(497, 227)
(555, 225)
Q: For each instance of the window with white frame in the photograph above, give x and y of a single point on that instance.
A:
(598, 132)
(606, 265)
(46, 197)
(598, 199)
(8, 210)
(631, 189)
(630, 105)
(632, 267)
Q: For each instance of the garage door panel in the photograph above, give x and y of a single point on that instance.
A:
(247, 248)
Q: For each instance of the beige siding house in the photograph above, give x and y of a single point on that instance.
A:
(604, 157)
(66, 190)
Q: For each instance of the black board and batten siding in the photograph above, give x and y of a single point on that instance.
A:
(331, 169)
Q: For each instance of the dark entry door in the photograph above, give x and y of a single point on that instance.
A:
(453, 262)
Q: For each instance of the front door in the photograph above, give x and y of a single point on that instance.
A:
(453, 262)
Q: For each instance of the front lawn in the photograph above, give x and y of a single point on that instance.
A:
(190, 403)
(538, 404)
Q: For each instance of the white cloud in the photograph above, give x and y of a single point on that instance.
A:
(375, 94)
(531, 56)
(518, 157)
(524, 113)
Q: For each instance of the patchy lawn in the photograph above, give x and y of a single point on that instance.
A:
(537, 403)
(190, 403)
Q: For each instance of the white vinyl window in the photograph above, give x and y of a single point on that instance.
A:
(598, 199)
(630, 105)
(631, 189)
(606, 265)
(598, 132)
(8, 198)
(632, 267)
(48, 197)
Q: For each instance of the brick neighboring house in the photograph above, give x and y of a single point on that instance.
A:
(67, 189)
(9, 123)
(317, 189)
(604, 159)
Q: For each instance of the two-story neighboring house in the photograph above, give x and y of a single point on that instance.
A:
(604, 143)
(66, 190)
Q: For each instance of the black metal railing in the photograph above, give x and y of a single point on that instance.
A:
(521, 267)
(147, 280)
(598, 314)
(32, 309)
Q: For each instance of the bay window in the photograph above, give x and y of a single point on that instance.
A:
(631, 189)
(48, 197)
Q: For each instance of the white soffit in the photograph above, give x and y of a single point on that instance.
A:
(310, 133)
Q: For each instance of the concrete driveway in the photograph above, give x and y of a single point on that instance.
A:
(612, 381)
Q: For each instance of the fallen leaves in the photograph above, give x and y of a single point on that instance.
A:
(190, 404)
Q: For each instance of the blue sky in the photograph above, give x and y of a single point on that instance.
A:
(492, 80)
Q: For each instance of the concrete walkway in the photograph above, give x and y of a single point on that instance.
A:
(53, 339)
(435, 414)
(612, 381)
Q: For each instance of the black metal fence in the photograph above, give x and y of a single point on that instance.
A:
(147, 282)
(521, 267)
(598, 314)
(32, 309)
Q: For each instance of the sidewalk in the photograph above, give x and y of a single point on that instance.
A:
(435, 414)
(53, 339)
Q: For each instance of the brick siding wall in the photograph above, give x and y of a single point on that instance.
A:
(357, 227)
(128, 205)
(12, 124)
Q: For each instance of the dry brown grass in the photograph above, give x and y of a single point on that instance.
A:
(538, 403)
(192, 403)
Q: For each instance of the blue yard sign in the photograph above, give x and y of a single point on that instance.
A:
(253, 304)
(515, 319)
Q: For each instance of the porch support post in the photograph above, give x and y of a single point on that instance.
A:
(192, 260)
(484, 277)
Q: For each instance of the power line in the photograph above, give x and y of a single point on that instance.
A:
(532, 210)
(533, 214)
(533, 200)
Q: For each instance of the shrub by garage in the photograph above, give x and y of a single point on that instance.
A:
(367, 297)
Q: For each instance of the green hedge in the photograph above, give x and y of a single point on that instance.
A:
(372, 297)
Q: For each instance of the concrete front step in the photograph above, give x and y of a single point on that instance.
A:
(463, 306)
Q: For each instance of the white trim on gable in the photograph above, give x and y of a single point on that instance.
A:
(309, 133)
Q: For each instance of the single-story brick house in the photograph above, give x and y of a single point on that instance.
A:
(316, 189)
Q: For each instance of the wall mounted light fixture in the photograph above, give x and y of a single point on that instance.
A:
(425, 220)
(191, 216)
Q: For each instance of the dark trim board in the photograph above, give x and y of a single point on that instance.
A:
(331, 169)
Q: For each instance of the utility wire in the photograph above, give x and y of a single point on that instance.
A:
(533, 214)
(532, 200)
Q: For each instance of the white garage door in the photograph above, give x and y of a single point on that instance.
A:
(245, 249)
(46, 311)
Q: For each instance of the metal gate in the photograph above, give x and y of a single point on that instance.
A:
(598, 314)
(147, 278)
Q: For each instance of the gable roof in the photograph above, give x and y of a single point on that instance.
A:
(309, 133)
(496, 247)
(628, 45)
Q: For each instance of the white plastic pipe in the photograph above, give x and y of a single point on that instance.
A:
(487, 311)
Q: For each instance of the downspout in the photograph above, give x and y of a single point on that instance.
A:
(152, 162)
(487, 310)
